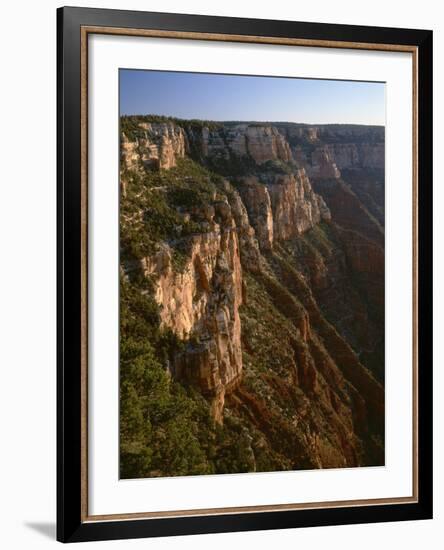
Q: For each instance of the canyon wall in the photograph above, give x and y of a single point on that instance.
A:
(200, 303)
(278, 296)
(323, 151)
(345, 146)
(155, 145)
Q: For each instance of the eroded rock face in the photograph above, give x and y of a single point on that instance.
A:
(325, 150)
(363, 155)
(258, 204)
(266, 143)
(201, 305)
(323, 164)
(322, 150)
(260, 142)
(213, 143)
(251, 258)
(282, 208)
(129, 153)
(307, 282)
(157, 145)
(296, 207)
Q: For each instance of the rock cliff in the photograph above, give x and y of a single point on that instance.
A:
(200, 303)
(296, 207)
(261, 142)
(263, 254)
(153, 145)
(326, 151)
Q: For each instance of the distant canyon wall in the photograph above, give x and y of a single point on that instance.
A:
(322, 151)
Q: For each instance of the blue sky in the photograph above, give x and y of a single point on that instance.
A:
(231, 97)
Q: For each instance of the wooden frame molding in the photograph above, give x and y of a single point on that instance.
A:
(85, 32)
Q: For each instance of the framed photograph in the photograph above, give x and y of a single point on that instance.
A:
(244, 274)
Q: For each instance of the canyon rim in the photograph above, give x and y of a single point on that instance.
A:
(251, 289)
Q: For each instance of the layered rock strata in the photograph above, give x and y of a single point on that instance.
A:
(156, 145)
(285, 245)
(201, 304)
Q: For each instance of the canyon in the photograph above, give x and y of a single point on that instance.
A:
(252, 265)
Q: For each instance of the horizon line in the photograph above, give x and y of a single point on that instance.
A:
(250, 121)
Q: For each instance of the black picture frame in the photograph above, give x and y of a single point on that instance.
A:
(71, 525)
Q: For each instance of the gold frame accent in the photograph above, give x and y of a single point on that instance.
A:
(85, 32)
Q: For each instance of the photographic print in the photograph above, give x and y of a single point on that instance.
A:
(244, 274)
(251, 273)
